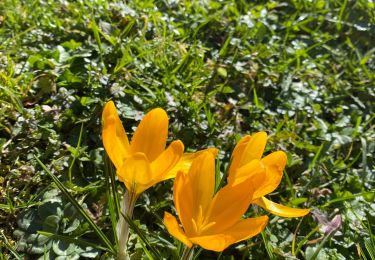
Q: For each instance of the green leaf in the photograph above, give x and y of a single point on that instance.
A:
(72, 44)
(298, 201)
(222, 73)
(80, 242)
(134, 227)
(51, 223)
(96, 229)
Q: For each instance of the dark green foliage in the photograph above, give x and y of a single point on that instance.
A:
(52, 229)
(304, 71)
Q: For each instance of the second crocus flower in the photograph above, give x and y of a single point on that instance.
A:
(247, 162)
(213, 221)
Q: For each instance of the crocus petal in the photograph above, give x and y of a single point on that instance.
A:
(167, 160)
(228, 205)
(242, 230)
(274, 165)
(253, 169)
(254, 148)
(136, 173)
(247, 228)
(213, 242)
(175, 230)
(183, 200)
(202, 180)
(280, 210)
(186, 160)
(248, 149)
(114, 136)
(151, 134)
(237, 153)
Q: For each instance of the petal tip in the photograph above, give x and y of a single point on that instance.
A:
(214, 151)
(175, 230)
(158, 111)
(109, 106)
(178, 146)
(261, 134)
(110, 103)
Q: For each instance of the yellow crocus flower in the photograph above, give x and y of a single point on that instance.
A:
(247, 162)
(144, 161)
(213, 221)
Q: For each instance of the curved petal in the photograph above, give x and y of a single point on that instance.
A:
(247, 228)
(135, 172)
(202, 181)
(114, 136)
(274, 165)
(237, 153)
(175, 230)
(167, 160)
(254, 148)
(280, 210)
(186, 160)
(253, 169)
(183, 201)
(243, 229)
(150, 137)
(228, 205)
(213, 242)
(248, 149)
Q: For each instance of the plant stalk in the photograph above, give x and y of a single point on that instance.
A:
(188, 253)
(122, 228)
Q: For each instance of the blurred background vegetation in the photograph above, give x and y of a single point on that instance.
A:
(303, 71)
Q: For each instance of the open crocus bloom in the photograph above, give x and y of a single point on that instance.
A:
(144, 161)
(247, 162)
(210, 220)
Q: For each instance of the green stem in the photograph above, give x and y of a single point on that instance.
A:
(127, 207)
(268, 249)
(300, 244)
(75, 155)
(325, 239)
(188, 253)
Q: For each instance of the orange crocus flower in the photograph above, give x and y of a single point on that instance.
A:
(144, 161)
(247, 162)
(213, 221)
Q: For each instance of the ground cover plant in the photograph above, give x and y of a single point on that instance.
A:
(302, 71)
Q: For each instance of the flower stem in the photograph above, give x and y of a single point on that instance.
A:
(188, 253)
(122, 228)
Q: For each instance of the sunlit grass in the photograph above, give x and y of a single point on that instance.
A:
(301, 70)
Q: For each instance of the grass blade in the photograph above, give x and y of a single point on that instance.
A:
(9, 247)
(370, 248)
(113, 201)
(79, 208)
(76, 154)
(349, 197)
(320, 246)
(267, 246)
(304, 240)
(143, 238)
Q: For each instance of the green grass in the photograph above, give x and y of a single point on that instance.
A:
(304, 71)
